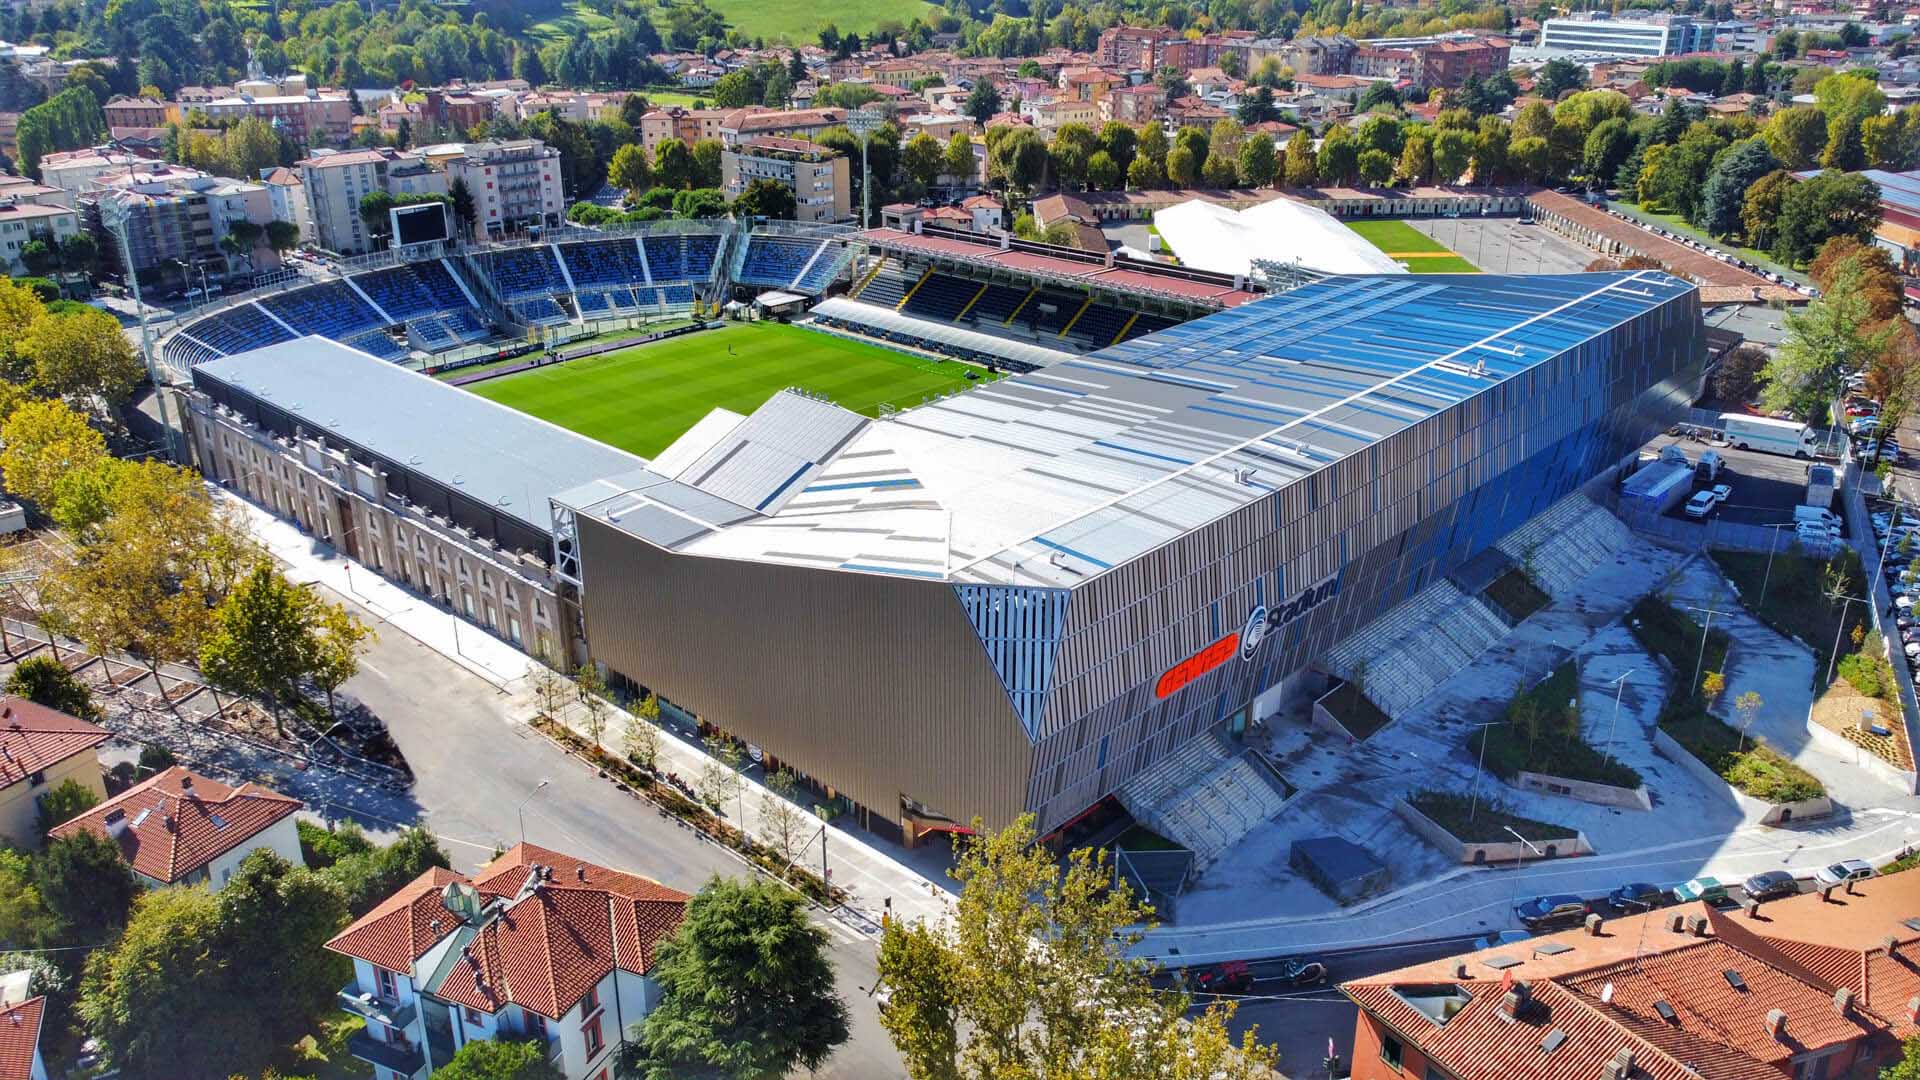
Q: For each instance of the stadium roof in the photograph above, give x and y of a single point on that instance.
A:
(492, 454)
(1210, 236)
(1055, 476)
(944, 332)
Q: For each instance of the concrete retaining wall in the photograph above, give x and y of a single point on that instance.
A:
(1325, 721)
(1765, 812)
(1461, 851)
(1840, 746)
(1586, 791)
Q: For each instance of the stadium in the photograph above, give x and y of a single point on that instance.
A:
(935, 596)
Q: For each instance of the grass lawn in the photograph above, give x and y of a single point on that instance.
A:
(1797, 604)
(562, 27)
(671, 97)
(1418, 252)
(800, 20)
(323, 1055)
(1542, 735)
(1667, 631)
(1487, 824)
(641, 399)
(1676, 223)
(1516, 594)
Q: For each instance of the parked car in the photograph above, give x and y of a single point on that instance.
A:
(1842, 872)
(1559, 909)
(1500, 939)
(1702, 504)
(1709, 889)
(1637, 896)
(1769, 886)
(1721, 493)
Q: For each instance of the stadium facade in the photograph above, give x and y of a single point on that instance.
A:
(1023, 596)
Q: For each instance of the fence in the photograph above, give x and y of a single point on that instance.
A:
(1853, 502)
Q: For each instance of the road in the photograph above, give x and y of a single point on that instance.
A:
(473, 763)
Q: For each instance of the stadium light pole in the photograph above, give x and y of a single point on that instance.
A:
(863, 123)
(117, 216)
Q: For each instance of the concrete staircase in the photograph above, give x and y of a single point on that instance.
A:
(1400, 657)
(1565, 543)
(1205, 796)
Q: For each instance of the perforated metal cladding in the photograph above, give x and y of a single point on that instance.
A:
(1389, 520)
(1020, 629)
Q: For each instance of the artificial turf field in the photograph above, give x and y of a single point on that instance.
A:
(1411, 248)
(643, 398)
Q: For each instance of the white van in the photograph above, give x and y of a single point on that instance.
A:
(1816, 515)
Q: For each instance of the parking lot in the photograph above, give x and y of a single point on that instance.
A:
(1766, 487)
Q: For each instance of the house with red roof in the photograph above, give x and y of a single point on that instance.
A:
(1812, 986)
(21, 1018)
(40, 749)
(181, 828)
(534, 945)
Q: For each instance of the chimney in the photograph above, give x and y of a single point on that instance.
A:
(1514, 1002)
(1677, 923)
(1698, 924)
(1620, 1068)
(579, 873)
(1777, 1025)
(1594, 922)
(1748, 905)
(1843, 1001)
(1459, 969)
(186, 781)
(116, 821)
(1891, 944)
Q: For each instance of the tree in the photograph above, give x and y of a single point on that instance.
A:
(1737, 378)
(86, 887)
(1452, 153)
(271, 908)
(1747, 708)
(706, 155)
(629, 170)
(25, 921)
(1258, 165)
(766, 198)
(1760, 209)
(81, 357)
(1258, 107)
(38, 256)
(1824, 341)
(1416, 161)
(1222, 170)
(1796, 136)
(283, 236)
(1712, 686)
(374, 207)
(958, 159)
(982, 102)
(62, 803)
(673, 165)
(1816, 209)
(785, 825)
(921, 159)
(590, 687)
(1528, 159)
(157, 1000)
(1606, 148)
(1033, 971)
(641, 741)
(1183, 170)
(46, 681)
(1558, 77)
(746, 987)
(265, 638)
(1103, 173)
(1378, 94)
(1302, 167)
(500, 1059)
(1376, 167)
(45, 440)
(1339, 156)
(365, 878)
(1734, 174)
(337, 642)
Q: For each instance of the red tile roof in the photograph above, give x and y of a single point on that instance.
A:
(34, 738)
(539, 947)
(178, 822)
(19, 1037)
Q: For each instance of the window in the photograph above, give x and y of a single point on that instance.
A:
(388, 987)
(536, 1025)
(1390, 1050)
(1433, 1073)
(473, 1018)
(37, 779)
(590, 1004)
(591, 1031)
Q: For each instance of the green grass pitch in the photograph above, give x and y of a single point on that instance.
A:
(643, 398)
(1399, 239)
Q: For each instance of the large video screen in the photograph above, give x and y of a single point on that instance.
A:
(423, 223)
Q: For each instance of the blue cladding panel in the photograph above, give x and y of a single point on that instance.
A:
(1020, 629)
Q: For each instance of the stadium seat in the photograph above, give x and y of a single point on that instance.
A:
(621, 299)
(329, 309)
(997, 304)
(1148, 324)
(603, 262)
(592, 303)
(677, 294)
(238, 329)
(421, 288)
(380, 344)
(774, 261)
(1098, 326)
(941, 297)
(701, 248)
(886, 288)
(826, 266)
(666, 257)
(523, 272)
(540, 311)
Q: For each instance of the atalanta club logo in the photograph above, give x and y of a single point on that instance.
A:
(1254, 633)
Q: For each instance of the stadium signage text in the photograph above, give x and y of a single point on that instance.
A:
(1262, 621)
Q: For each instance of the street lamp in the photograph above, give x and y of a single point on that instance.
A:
(520, 807)
(1473, 802)
(116, 215)
(1513, 895)
(1618, 685)
(1840, 629)
(863, 123)
(1694, 686)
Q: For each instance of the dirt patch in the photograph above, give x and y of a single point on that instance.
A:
(1844, 710)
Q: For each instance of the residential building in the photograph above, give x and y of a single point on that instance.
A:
(1600, 34)
(74, 171)
(1050, 114)
(534, 945)
(22, 221)
(1447, 65)
(40, 749)
(177, 221)
(1321, 54)
(1133, 104)
(987, 213)
(316, 117)
(515, 184)
(21, 1018)
(287, 194)
(1391, 65)
(133, 114)
(181, 828)
(675, 122)
(942, 126)
(743, 125)
(817, 176)
(1142, 48)
(901, 73)
(1808, 987)
(335, 182)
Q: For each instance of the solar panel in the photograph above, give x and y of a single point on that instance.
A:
(1666, 1012)
(1553, 948)
(1911, 924)
(1734, 980)
(1500, 963)
(1553, 1040)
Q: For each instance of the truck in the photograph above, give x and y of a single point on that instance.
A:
(1820, 486)
(1658, 488)
(1764, 433)
(1708, 470)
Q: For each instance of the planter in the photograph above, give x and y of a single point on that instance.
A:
(1766, 813)
(1487, 852)
(1636, 798)
(1883, 770)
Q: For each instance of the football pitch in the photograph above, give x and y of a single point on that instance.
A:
(643, 398)
(1411, 248)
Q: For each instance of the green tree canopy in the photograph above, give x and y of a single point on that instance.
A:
(46, 681)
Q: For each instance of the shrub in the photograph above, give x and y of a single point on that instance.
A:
(1871, 675)
(321, 847)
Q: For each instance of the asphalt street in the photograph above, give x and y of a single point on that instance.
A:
(475, 766)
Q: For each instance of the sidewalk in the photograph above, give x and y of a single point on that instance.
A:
(870, 875)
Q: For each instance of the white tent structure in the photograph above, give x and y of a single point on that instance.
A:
(1208, 236)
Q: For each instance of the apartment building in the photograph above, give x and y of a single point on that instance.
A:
(818, 177)
(336, 181)
(535, 945)
(134, 114)
(317, 117)
(40, 749)
(1134, 105)
(515, 184)
(675, 122)
(22, 221)
(1140, 47)
(181, 828)
(745, 125)
(1447, 65)
(288, 197)
(74, 171)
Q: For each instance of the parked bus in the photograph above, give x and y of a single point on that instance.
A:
(1773, 436)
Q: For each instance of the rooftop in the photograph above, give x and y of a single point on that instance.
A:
(177, 822)
(1056, 476)
(20, 1038)
(34, 738)
(497, 456)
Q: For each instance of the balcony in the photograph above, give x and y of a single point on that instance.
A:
(394, 1057)
(375, 1009)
